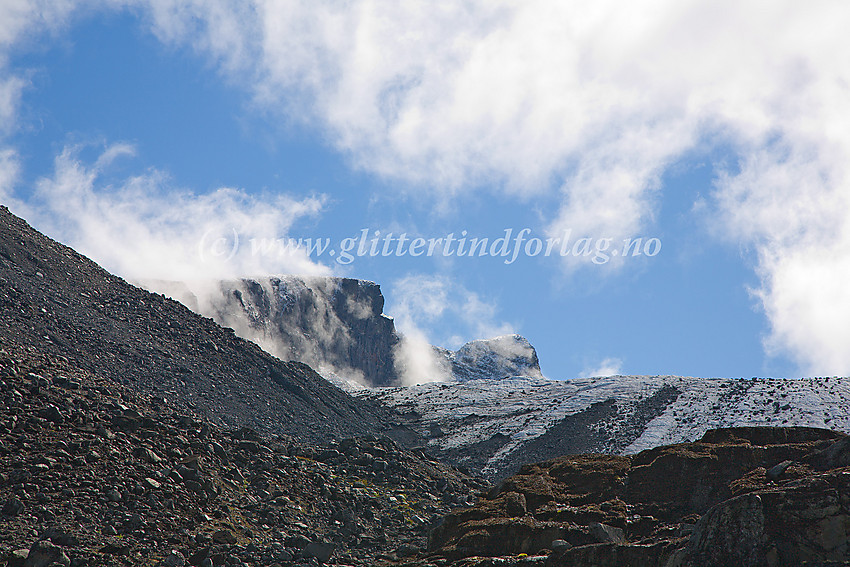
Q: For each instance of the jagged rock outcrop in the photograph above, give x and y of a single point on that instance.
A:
(498, 358)
(337, 326)
(750, 497)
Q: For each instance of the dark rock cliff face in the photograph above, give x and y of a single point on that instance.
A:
(335, 325)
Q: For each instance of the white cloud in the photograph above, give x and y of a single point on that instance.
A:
(417, 301)
(416, 361)
(481, 316)
(596, 99)
(220, 29)
(607, 367)
(419, 298)
(9, 171)
(421, 303)
(425, 301)
(23, 21)
(792, 207)
(11, 89)
(146, 229)
(20, 19)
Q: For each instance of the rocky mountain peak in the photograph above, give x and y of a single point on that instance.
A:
(337, 326)
(498, 358)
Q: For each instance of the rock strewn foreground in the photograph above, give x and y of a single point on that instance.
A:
(93, 474)
(756, 496)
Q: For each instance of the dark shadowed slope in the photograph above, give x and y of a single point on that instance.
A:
(67, 306)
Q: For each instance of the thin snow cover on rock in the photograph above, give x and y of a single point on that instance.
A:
(495, 426)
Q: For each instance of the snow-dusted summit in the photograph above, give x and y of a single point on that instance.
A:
(499, 358)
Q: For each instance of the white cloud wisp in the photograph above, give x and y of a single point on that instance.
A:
(145, 229)
(417, 303)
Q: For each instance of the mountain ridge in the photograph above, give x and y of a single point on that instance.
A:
(70, 307)
(337, 326)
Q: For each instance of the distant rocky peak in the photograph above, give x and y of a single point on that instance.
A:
(507, 356)
(336, 325)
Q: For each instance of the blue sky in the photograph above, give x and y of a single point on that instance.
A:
(140, 132)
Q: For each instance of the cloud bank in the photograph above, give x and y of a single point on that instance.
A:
(596, 102)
